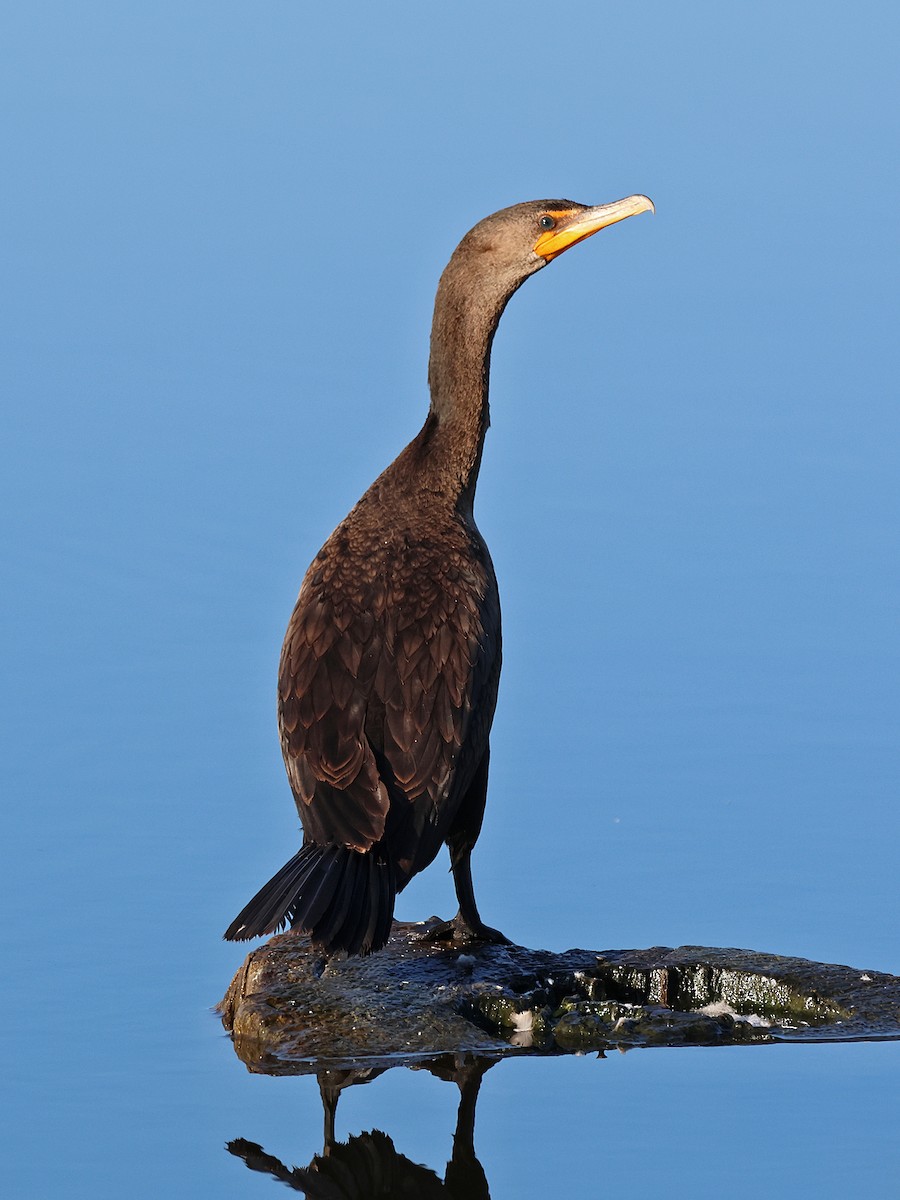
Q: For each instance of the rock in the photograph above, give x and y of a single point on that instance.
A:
(290, 1012)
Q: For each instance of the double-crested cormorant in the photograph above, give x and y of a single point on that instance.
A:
(389, 670)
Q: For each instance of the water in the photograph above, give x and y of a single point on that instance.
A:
(646, 1120)
(225, 231)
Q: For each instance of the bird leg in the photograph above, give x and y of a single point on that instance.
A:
(467, 926)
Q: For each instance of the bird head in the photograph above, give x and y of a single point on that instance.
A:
(523, 238)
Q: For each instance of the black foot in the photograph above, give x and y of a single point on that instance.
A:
(460, 932)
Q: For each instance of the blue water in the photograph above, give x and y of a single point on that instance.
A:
(224, 231)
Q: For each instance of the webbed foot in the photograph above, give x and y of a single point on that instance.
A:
(460, 932)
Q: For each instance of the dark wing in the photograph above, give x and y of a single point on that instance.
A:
(383, 666)
(327, 667)
(439, 684)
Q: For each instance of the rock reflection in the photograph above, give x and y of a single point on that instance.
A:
(368, 1166)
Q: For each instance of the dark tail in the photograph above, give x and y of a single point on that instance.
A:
(343, 899)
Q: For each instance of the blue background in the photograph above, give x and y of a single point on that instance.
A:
(223, 227)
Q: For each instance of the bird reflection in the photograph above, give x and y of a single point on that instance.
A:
(368, 1166)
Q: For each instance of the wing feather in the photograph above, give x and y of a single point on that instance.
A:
(387, 656)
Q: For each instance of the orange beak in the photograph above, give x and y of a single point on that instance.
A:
(581, 225)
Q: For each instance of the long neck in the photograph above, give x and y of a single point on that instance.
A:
(466, 314)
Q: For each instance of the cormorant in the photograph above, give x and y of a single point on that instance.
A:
(389, 670)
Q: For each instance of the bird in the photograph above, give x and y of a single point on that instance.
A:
(388, 675)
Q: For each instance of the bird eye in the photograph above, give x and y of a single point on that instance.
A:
(547, 223)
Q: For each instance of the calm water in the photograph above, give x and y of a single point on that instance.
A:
(224, 231)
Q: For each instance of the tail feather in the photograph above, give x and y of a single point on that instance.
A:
(344, 899)
(270, 906)
(325, 885)
(267, 911)
(383, 884)
(357, 918)
(378, 879)
(333, 920)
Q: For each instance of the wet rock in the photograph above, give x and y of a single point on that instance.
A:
(289, 1011)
